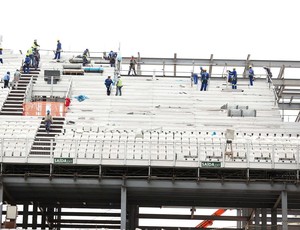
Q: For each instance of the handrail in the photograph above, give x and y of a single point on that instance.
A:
(200, 152)
(69, 90)
(28, 92)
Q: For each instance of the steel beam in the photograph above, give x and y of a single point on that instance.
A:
(264, 219)
(131, 184)
(286, 82)
(216, 62)
(25, 216)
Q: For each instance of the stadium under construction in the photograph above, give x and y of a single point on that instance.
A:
(163, 143)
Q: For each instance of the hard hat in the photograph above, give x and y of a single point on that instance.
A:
(250, 66)
(48, 111)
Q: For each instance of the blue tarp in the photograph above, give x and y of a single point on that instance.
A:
(81, 98)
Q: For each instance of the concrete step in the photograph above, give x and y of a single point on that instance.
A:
(16, 102)
(13, 105)
(40, 152)
(12, 113)
(11, 109)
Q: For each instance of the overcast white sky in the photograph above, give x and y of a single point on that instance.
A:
(265, 29)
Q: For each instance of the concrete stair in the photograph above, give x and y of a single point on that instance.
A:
(14, 101)
(42, 142)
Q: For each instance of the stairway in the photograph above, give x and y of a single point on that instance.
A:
(42, 141)
(14, 101)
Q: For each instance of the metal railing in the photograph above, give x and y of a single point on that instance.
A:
(28, 92)
(255, 154)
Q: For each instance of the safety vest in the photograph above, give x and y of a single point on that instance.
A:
(119, 83)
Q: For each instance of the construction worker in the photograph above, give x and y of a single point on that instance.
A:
(26, 64)
(16, 79)
(30, 55)
(36, 57)
(35, 46)
(108, 82)
(85, 56)
(204, 80)
(58, 50)
(6, 79)
(233, 78)
(48, 121)
(1, 60)
(195, 78)
(132, 64)
(251, 75)
(119, 86)
(269, 73)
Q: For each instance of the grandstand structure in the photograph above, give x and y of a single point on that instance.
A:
(162, 143)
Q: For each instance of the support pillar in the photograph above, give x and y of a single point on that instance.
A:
(139, 64)
(245, 212)
(58, 217)
(34, 216)
(284, 209)
(264, 219)
(43, 219)
(1, 203)
(239, 223)
(210, 66)
(256, 219)
(246, 66)
(274, 219)
(175, 60)
(25, 216)
(123, 207)
(133, 217)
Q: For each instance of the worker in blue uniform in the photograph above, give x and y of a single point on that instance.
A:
(58, 50)
(26, 64)
(204, 80)
(232, 77)
(251, 75)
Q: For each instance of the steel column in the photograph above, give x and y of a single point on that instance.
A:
(43, 220)
(133, 217)
(256, 219)
(139, 64)
(123, 207)
(264, 219)
(25, 216)
(175, 60)
(239, 213)
(274, 219)
(34, 215)
(1, 202)
(284, 208)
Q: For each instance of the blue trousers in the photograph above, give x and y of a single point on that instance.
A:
(57, 55)
(203, 86)
(251, 79)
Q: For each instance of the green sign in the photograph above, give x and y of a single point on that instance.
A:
(210, 164)
(63, 160)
